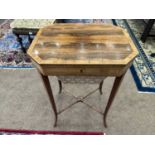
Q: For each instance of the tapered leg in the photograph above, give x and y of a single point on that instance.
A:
(100, 87)
(50, 95)
(114, 91)
(60, 86)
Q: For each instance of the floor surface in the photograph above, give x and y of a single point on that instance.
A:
(24, 105)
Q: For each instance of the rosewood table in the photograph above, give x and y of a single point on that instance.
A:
(82, 50)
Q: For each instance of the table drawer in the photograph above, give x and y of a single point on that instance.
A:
(81, 71)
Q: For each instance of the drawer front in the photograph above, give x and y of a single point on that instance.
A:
(82, 71)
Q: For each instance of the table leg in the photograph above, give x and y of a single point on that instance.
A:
(114, 91)
(100, 87)
(60, 86)
(48, 88)
(147, 29)
(30, 39)
(20, 42)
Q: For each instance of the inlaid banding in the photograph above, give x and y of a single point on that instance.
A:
(79, 25)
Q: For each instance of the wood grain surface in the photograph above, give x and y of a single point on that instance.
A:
(82, 44)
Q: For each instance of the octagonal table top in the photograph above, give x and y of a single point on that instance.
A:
(62, 44)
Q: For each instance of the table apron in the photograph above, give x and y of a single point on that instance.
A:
(110, 70)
